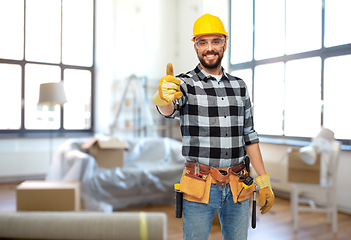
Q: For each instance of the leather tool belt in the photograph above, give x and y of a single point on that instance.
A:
(221, 176)
(196, 187)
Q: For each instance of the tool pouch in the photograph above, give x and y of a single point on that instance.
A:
(236, 185)
(193, 185)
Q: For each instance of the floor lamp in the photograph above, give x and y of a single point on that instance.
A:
(51, 94)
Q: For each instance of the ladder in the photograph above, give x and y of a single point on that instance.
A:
(142, 102)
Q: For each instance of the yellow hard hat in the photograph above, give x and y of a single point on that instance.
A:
(208, 24)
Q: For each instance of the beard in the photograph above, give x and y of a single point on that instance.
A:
(213, 63)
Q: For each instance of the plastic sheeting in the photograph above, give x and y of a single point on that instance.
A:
(151, 167)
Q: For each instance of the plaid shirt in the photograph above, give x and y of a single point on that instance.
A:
(215, 118)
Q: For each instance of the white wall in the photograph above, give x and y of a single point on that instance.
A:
(22, 158)
(141, 37)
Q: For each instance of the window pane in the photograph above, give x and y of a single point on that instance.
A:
(303, 25)
(269, 98)
(337, 22)
(10, 96)
(337, 98)
(246, 75)
(43, 30)
(77, 32)
(11, 29)
(303, 97)
(77, 110)
(269, 29)
(241, 31)
(40, 117)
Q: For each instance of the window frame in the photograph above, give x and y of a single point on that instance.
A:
(61, 132)
(323, 53)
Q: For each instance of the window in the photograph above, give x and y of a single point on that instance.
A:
(46, 41)
(302, 97)
(269, 96)
(298, 54)
(241, 44)
(337, 86)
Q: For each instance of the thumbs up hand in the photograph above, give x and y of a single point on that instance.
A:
(168, 88)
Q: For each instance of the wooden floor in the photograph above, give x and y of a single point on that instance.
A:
(275, 225)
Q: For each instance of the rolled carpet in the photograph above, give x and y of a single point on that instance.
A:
(83, 225)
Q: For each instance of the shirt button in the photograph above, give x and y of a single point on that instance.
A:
(222, 98)
(225, 116)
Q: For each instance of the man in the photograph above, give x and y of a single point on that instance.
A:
(218, 136)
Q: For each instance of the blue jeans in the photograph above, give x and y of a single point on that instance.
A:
(234, 217)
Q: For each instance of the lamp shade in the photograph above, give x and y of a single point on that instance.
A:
(308, 155)
(321, 142)
(52, 93)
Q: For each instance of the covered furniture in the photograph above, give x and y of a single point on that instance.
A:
(151, 168)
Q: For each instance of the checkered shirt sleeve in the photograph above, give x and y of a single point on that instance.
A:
(215, 118)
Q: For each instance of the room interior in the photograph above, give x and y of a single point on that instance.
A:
(133, 42)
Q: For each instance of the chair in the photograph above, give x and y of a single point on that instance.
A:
(327, 187)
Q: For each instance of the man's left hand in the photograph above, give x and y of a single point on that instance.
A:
(266, 199)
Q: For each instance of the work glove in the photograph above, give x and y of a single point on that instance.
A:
(266, 194)
(168, 88)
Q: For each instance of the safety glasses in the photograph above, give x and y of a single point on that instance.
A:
(204, 43)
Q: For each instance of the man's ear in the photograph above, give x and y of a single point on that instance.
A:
(195, 48)
(225, 46)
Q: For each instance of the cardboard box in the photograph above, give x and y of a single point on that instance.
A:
(48, 196)
(108, 154)
(300, 172)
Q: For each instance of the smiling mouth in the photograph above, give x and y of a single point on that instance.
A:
(210, 55)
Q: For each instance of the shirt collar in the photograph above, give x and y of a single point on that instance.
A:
(204, 76)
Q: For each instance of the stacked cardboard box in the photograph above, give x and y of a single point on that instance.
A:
(300, 172)
(48, 196)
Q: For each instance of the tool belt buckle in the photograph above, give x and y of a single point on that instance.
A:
(221, 183)
(222, 178)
